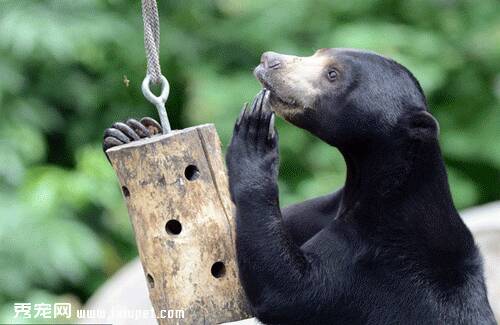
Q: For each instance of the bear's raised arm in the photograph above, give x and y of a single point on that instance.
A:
(273, 268)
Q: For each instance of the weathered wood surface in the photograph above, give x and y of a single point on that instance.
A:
(176, 191)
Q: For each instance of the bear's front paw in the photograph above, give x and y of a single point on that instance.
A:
(121, 133)
(252, 157)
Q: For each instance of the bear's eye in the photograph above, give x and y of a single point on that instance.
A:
(332, 74)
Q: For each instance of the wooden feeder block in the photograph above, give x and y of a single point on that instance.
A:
(176, 190)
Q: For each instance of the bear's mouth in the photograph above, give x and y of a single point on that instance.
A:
(275, 98)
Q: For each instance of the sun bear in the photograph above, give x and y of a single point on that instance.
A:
(388, 247)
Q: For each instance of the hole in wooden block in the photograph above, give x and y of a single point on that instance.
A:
(191, 172)
(151, 281)
(125, 191)
(173, 227)
(218, 269)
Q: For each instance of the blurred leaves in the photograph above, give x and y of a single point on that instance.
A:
(63, 224)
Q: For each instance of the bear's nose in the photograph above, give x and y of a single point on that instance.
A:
(270, 60)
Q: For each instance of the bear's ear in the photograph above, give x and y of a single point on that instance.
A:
(422, 125)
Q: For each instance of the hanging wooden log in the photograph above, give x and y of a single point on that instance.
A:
(176, 190)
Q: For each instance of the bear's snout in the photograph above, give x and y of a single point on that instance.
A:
(271, 60)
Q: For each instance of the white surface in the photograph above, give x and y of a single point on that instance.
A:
(127, 290)
(484, 222)
(483, 217)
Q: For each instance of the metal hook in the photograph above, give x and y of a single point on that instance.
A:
(158, 101)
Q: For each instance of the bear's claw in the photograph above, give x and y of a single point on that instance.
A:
(127, 130)
(120, 133)
(271, 133)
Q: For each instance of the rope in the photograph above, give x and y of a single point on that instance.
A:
(152, 39)
(153, 74)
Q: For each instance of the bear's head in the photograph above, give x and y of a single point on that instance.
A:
(346, 96)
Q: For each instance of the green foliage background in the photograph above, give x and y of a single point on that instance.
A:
(63, 225)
